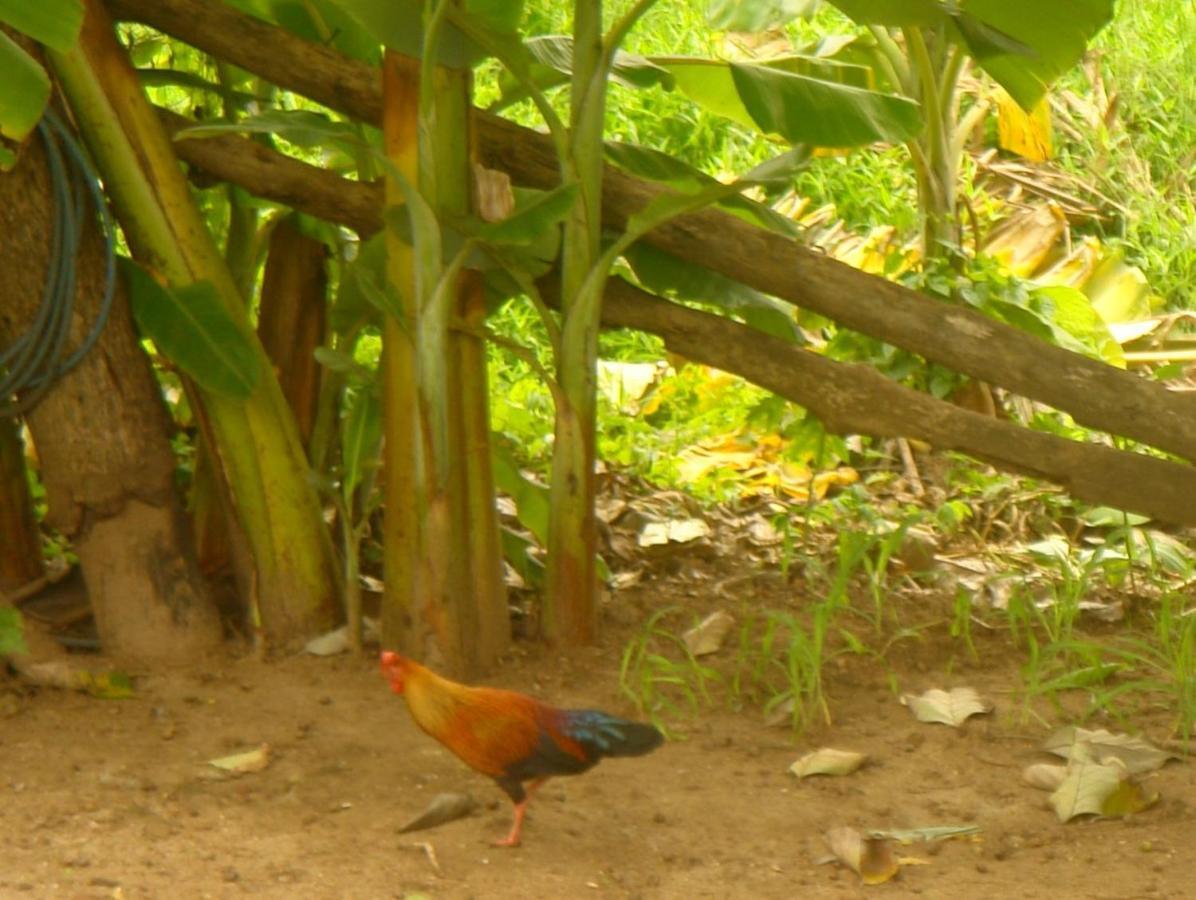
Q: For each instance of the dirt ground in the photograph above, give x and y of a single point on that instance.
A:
(114, 798)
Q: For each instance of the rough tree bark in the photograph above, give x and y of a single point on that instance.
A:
(102, 436)
(20, 549)
(291, 317)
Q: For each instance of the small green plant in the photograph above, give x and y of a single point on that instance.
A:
(660, 684)
(961, 620)
(12, 631)
(780, 661)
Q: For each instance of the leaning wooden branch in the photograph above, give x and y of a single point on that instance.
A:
(856, 399)
(1097, 395)
(849, 399)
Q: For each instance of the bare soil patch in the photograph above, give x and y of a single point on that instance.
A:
(106, 798)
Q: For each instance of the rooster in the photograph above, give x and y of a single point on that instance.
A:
(512, 737)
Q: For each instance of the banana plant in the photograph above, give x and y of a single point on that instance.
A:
(777, 97)
(201, 321)
(918, 49)
(444, 244)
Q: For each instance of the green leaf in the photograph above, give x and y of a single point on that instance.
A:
(531, 499)
(556, 52)
(302, 127)
(799, 108)
(776, 170)
(754, 15)
(708, 83)
(192, 82)
(527, 225)
(1072, 312)
(654, 165)
(325, 22)
(517, 551)
(1108, 517)
(893, 13)
(24, 93)
(361, 296)
(192, 328)
(812, 111)
(984, 41)
(55, 23)
(824, 69)
(1057, 33)
(12, 632)
(663, 273)
(361, 436)
(547, 61)
(399, 25)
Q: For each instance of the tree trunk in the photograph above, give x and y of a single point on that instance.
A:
(102, 437)
(445, 600)
(293, 587)
(21, 550)
(291, 317)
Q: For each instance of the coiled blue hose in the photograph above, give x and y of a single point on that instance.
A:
(34, 361)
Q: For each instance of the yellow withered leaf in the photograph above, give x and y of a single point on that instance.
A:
(1119, 292)
(1074, 269)
(1021, 242)
(1028, 134)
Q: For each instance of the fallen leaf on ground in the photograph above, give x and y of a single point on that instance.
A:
(952, 707)
(707, 636)
(105, 685)
(444, 808)
(1044, 776)
(1094, 789)
(337, 641)
(870, 858)
(242, 763)
(926, 833)
(828, 761)
(1137, 754)
(677, 531)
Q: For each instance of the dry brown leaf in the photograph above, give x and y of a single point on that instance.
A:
(952, 707)
(1137, 754)
(243, 763)
(1085, 790)
(707, 636)
(676, 531)
(828, 761)
(443, 808)
(1044, 776)
(493, 196)
(871, 858)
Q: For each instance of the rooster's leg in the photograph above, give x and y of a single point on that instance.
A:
(512, 839)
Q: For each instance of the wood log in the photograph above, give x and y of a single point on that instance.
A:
(848, 398)
(1096, 395)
